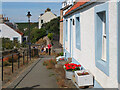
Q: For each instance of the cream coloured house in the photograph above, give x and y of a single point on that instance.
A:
(46, 17)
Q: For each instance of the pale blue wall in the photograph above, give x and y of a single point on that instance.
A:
(102, 65)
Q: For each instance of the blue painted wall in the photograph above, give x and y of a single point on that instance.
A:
(102, 65)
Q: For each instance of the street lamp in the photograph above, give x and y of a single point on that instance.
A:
(29, 43)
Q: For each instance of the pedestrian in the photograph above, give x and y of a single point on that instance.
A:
(46, 49)
(49, 48)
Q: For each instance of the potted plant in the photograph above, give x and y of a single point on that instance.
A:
(70, 68)
(83, 78)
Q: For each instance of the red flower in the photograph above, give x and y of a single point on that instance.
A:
(60, 59)
(67, 68)
(71, 66)
(79, 65)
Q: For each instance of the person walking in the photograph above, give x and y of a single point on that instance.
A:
(49, 48)
(46, 49)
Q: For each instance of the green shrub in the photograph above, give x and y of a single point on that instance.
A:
(61, 54)
(50, 36)
(8, 44)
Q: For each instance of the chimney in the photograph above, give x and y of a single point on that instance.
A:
(7, 18)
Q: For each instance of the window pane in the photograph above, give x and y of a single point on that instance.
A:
(102, 16)
(77, 32)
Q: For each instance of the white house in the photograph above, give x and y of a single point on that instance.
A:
(91, 36)
(66, 5)
(46, 17)
(8, 32)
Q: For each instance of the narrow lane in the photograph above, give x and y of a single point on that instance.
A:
(36, 76)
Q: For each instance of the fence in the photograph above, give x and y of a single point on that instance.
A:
(15, 57)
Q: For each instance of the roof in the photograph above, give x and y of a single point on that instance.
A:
(19, 32)
(61, 20)
(75, 6)
(15, 30)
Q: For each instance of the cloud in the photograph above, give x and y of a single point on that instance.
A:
(32, 0)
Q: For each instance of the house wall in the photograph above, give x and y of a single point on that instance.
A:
(86, 55)
(46, 17)
(61, 33)
(8, 32)
(118, 43)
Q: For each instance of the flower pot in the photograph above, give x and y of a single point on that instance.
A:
(69, 74)
(83, 80)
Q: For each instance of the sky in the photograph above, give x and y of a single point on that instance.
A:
(17, 11)
(32, 0)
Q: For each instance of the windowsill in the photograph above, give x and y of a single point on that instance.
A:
(103, 66)
(103, 59)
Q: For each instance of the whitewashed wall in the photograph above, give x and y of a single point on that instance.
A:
(46, 17)
(86, 56)
(8, 32)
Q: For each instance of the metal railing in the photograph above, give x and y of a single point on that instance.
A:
(22, 57)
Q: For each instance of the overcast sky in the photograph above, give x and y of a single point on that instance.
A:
(31, 0)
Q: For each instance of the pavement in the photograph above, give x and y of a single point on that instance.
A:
(36, 76)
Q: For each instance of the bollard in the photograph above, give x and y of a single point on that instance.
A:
(27, 56)
(23, 58)
(30, 55)
(2, 68)
(12, 64)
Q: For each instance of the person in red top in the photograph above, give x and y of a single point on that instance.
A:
(49, 48)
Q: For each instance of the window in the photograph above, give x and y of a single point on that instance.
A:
(15, 39)
(102, 37)
(66, 30)
(41, 21)
(77, 32)
(102, 16)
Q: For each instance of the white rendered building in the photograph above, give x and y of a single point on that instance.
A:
(8, 32)
(46, 17)
(91, 37)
